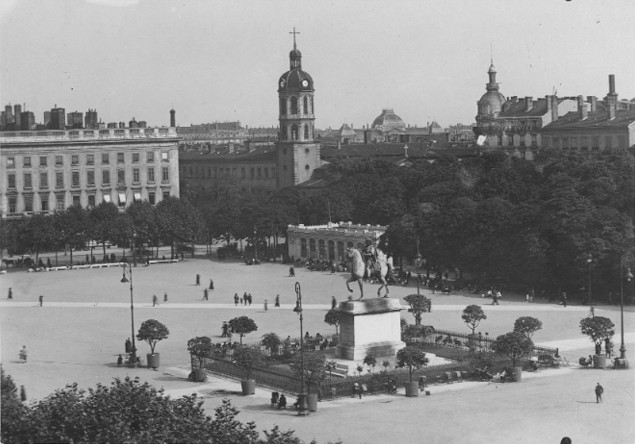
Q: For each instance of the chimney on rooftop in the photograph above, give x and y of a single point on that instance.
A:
(554, 108)
(611, 97)
(582, 110)
(529, 103)
(593, 103)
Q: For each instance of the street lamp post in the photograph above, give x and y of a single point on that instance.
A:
(124, 279)
(589, 261)
(629, 277)
(302, 410)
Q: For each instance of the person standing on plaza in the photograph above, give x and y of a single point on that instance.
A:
(211, 284)
(598, 393)
(266, 305)
(495, 298)
(236, 299)
(22, 393)
(563, 299)
(249, 298)
(23, 354)
(165, 296)
(333, 302)
(291, 271)
(10, 296)
(198, 279)
(277, 303)
(225, 330)
(41, 298)
(205, 295)
(128, 345)
(155, 300)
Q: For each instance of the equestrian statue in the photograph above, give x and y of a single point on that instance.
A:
(372, 263)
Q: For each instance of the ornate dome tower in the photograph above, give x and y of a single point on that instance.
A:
(298, 154)
(492, 101)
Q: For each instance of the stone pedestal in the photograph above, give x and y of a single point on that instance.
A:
(369, 325)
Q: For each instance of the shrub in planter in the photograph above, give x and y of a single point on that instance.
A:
(515, 346)
(413, 358)
(201, 347)
(152, 331)
(241, 326)
(248, 359)
(272, 342)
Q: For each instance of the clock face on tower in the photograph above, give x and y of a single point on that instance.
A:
(305, 83)
(282, 83)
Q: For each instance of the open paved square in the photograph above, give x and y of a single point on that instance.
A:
(85, 319)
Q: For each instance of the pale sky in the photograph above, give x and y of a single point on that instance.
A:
(220, 60)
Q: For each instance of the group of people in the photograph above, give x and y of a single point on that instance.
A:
(246, 299)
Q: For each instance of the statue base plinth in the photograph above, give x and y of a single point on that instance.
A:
(369, 326)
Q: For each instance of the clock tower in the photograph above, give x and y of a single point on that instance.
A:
(298, 153)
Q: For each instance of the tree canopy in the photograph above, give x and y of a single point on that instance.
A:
(514, 345)
(472, 316)
(152, 331)
(597, 328)
(242, 326)
(527, 325)
(411, 357)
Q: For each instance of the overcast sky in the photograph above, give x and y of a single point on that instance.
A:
(220, 60)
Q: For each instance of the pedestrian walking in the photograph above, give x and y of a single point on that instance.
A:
(225, 330)
(563, 299)
(41, 298)
(22, 393)
(249, 299)
(205, 295)
(211, 284)
(333, 302)
(165, 296)
(598, 393)
(23, 354)
(291, 271)
(155, 300)
(495, 298)
(277, 304)
(10, 296)
(128, 345)
(198, 279)
(266, 305)
(119, 361)
(236, 299)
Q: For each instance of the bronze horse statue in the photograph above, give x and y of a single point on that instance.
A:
(377, 267)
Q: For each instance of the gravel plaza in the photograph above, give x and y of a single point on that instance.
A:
(85, 319)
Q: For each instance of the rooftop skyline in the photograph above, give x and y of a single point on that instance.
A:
(220, 60)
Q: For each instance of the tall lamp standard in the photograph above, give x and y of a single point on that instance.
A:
(302, 411)
(629, 277)
(589, 261)
(126, 265)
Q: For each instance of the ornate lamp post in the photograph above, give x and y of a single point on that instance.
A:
(589, 261)
(303, 411)
(126, 265)
(629, 278)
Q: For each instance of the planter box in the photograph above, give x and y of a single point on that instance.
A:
(412, 389)
(153, 360)
(248, 386)
(599, 361)
(518, 373)
(200, 375)
(312, 402)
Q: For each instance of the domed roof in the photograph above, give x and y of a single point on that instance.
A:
(493, 100)
(388, 120)
(295, 80)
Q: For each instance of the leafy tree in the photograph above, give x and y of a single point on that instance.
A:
(201, 347)
(242, 326)
(472, 316)
(104, 223)
(597, 328)
(143, 220)
(314, 368)
(419, 304)
(385, 363)
(178, 221)
(370, 360)
(35, 234)
(13, 412)
(72, 227)
(152, 331)
(514, 345)
(248, 359)
(271, 341)
(332, 317)
(411, 357)
(527, 325)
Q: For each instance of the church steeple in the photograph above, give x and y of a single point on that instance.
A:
(491, 72)
(295, 56)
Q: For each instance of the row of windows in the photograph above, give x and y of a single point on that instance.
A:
(214, 172)
(45, 205)
(292, 132)
(89, 159)
(90, 178)
(307, 105)
(585, 142)
(319, 249)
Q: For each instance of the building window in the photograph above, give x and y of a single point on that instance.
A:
(331, 245)
(595, 142)
(11, 179)
(165, 156)
(44, 180)
(312, 247)
(622, 142)
(294, 105)
(306, 105)
(28, 203)
(322, 249)
(135, 157)
(44, 203)
(121, 177)
(90, 159)
(75, 179)
(59, 161)
(27, 180)
(303, 248)
(90, 178)
(151, 198)
(135, 175)
(283, 106)
(26, 163)
(59, 202)
(565, 143)
(150, 156)
(107, 198)
(165, 174)
(306, 132)
(137, 196)
(76, 201)
(233, 172)
(12, 205)
(43, 161)
(151, 174)
(555, 142)
(259, 172)
(10, 162)
(294, 132)
(122, 199)
(267, 172)
(120, 158)
(584, 142)
(105, 177)
(105, 158)
(534, 140)
(59, 179)
(166, 195)
(75, 159)
(91, 200)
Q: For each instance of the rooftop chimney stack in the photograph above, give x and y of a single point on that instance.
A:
(593, 103)
(529, 104)
(554, 108)
(611, 97)
(582, 109)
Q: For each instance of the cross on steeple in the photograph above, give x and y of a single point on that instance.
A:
(294, 33)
